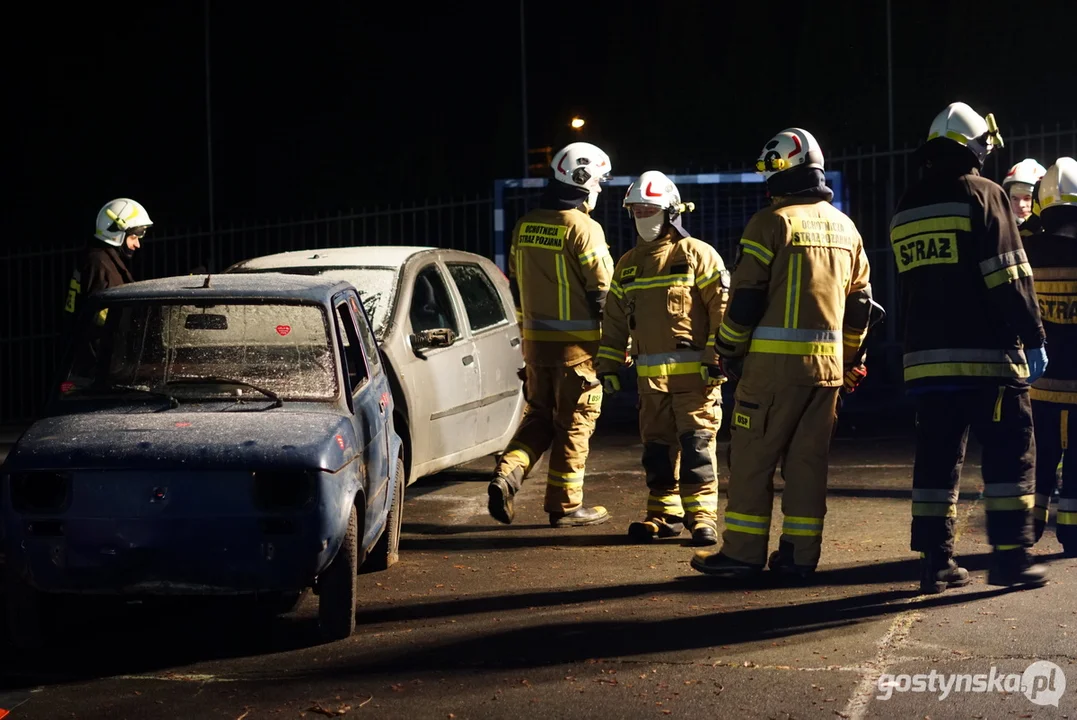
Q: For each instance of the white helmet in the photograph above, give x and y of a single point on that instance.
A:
(960, 123)
(1059, 186)
(791, 148)
(119, 218)
(1028, 171)
(582, 165)
(653, 188)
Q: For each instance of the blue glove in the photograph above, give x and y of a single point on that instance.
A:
(1037, 363)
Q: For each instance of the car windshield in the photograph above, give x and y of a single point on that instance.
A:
(376, 286)
(166, 347)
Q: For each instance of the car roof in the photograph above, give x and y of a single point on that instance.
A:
(367, 255)
(270, 286)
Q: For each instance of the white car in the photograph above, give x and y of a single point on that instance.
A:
(446, 324)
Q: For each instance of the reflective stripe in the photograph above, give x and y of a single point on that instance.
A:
(1008, 275)
(664, 504)
(1004, 490)
(920, 509)
(704, 281)
(750, 524)
(958, 209)
(564, 479)
(616, 290)
(932, 495)
(566, 325)
(792, 291)
(782, 347)
(1004, 260)
(937, 218)
(1056, 273)
(1013, 356)
(608, 353)
(1055, 384)
(680, 362)
(965, 362)
(661, 281)
(733, 336)
(517, 446)
(1066, 518)
(760, 252)
(1053, 287)
(1067, 505)
(564, 310)
(1042, 500)
(1039, 513)
(803, 526)
(701, 503)
(1024, 502)
(585, 258)
(765, 332)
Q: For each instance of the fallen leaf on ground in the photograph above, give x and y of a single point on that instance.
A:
(317, 708)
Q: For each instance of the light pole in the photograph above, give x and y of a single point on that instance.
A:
(211, 265)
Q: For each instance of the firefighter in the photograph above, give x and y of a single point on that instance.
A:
(559, 271)
(1018, 184)
(799, 308)
(973, 340)
(1053, 258)
(669, 294)
(121, 224)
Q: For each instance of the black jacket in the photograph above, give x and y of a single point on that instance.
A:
(1053, 257)
(100, 266)
(967, 297)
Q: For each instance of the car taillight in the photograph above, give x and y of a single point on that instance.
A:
(282, 490)
(40, 492)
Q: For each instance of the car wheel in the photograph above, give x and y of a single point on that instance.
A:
(24, 611)
(338, 586)
(387, 552)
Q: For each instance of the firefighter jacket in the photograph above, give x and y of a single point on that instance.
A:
(669, 296)
(101, 266)
(1053, 257)
(559, 270)
(967, 297)
(796, 300)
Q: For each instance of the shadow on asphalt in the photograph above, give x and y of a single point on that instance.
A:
(99, 643)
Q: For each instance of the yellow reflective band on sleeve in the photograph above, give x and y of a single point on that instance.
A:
(757, 250)
(605, 352)
(928, 509)
(563, 298)
(708, 279)
(791, 347)
(998, 504)
(750, 524)
(802, 526)
(616, 290)
(1008, 275)
(101, 317)
(587, 258)
(734, 336)
(710, 340)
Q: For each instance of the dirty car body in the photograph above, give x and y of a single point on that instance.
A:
(445, 321)
(205, 437)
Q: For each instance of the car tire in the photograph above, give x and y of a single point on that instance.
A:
(24, 609)
(386, 552)
(338, 586)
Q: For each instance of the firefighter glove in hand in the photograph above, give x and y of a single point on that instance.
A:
(711, 374)
(611, 384)
(1037, 363)
(853, 377)
(731, 367)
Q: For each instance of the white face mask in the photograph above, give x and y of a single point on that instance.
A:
(649, 228)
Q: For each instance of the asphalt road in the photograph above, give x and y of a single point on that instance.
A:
(480, 620)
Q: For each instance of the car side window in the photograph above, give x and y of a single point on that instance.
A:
(356, 369)
(366, 335)
(481, 299)
(431, 306)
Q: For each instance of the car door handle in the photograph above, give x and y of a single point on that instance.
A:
(514, 342)
(468, 359)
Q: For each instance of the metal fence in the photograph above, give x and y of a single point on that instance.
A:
(872, 180)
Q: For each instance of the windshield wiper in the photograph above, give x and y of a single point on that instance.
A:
(172, 402)
(212, 379)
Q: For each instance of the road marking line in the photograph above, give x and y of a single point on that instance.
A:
(178, 678)
(899, 631)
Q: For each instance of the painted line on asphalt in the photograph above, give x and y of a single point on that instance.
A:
(895, 636)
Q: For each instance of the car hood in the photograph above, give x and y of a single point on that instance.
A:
(194, 440)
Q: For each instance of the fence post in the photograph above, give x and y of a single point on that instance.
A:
(499, 225)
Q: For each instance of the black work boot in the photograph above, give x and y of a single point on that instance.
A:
(578, 518)
(1069, 551)
(1015, 567)
(781, 562)
(938, 571)
(721, 565)
(501, 506)
(655, 527)
(1040, 526)
(704, 534)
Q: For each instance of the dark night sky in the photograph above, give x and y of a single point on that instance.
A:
(326, 105)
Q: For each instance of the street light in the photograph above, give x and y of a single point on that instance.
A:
(577, 122)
